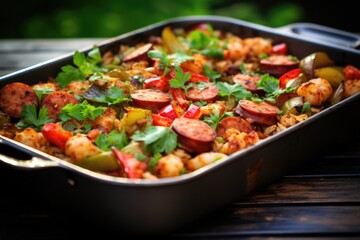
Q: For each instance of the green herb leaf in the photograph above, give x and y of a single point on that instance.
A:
(212, 74)
(80, 111)
(271, 86)
(180, 79)
(85, 66)
(31, 119)
(157, 139)
(112, 139)
(113, 95)
(42, 91)
(214, 119)
(237, 90)
(69, 74)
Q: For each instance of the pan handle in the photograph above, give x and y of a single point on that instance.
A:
(33, 163)
(323, 33)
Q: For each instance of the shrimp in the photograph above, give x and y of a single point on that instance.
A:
(30, 138)
(77, 87)
(106, 121)
(203, 159)
(236, 140)
(352, 87)
(195, 65)
(237, 49)
(52, 86)
(169, 166)
(209, 108)
(79, 147)
(257, 45)
(315, 91)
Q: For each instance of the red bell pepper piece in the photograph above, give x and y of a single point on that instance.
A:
(226, 54)
(193, 112)
(169, 111)
(158, 120)
(55, 134)
(133, 168)
(288, 76)
(179, 97)
(161, 83)
(351, 72)
(280, 49)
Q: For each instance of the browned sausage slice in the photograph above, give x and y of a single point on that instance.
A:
(249, 82)
(260, 108)
(138, 54)
(14, 96)
(194, 135)
(151, 99)
(55, 101)
(262, 112)
(208, 94)
(277, 65)
(233, 122)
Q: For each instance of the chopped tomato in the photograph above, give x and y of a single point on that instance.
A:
(160, 83)
(288, 76)
(280, 49)
(169, 111)
(133, 168)
(55, 134)
(179, 97)
(193, 112)
(351, 72)
(158, 120)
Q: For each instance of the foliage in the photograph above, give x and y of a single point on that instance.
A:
(108, 18)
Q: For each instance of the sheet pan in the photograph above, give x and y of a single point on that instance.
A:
(167, 205)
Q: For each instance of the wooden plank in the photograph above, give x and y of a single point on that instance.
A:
(46, 45)
(307, 191)
(285, 220)
(19, 54)
(329, 166)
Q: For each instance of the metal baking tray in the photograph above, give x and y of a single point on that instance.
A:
(166, 205)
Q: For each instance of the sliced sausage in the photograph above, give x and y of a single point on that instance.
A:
(138, 54)
(262, 112)
(151, 99)
(208, 94)
(194, 135)
(14, 96)
(55, 101)
(277, 65)
(248, 81)
(233, 122)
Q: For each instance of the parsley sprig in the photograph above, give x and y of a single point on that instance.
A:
(227, 90)
(30, 118)
(80, 111)
(166, 61)
(181, 79)
(214, 119)
(271, 86)
(157, 139)
(113, 139)
(207, 45)
(84, 66)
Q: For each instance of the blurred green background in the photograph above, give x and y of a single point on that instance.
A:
(108, 18)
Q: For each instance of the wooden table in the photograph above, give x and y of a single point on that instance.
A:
(320, 200)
